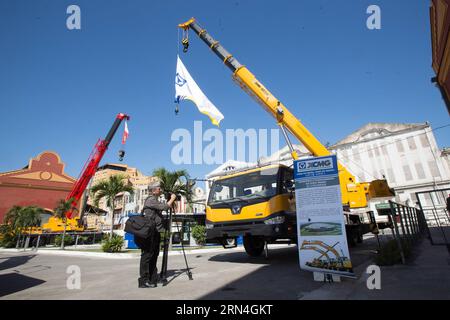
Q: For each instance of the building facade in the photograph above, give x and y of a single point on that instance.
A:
(42, 183)
(407, 155)
(440, 44)
(124, 204)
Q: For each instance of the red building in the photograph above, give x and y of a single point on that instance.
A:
(440, 40)
(42, 183)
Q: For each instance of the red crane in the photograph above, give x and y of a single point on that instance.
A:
(91, 165)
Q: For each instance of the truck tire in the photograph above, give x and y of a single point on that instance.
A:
(228, 243)
(254, 246)
(352, 238)
(360, 238)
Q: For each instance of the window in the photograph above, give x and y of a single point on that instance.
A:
(426, 199)
(407, 172)
(420, 172)
(411, 143)
(251, 186)
(424, 141)
(399, 145)
(434, 169)
(377, 152)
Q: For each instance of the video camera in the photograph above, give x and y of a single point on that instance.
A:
(167, 196)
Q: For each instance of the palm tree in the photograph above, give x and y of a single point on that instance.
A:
(25, 218)
(10, 220)
(172, 182)
(62, 208)
(12, 215)
(109, 189)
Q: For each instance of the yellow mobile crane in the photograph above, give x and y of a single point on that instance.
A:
(237, 204)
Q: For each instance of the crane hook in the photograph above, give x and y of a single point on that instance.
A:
(121, 154)
(185, 43)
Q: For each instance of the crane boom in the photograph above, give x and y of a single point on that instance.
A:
(353, 194)
(92, 163)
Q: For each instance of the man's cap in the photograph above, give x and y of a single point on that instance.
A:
(154, 185)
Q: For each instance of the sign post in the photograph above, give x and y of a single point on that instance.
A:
(322, 240)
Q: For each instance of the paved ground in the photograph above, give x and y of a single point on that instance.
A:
(220, 274)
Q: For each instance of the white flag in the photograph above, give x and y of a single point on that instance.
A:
(125, 133)
(187, 89)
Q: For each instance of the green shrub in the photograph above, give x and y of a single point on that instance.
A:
(113, 245)
(390, 253)
(199, 234)
(68, 240)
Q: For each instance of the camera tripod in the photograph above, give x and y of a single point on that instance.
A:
(167, 235)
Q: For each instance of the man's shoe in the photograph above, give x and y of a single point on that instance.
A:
(147, 284)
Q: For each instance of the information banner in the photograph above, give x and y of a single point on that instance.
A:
(322, 240)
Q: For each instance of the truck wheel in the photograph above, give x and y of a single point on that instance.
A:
(228, 243)
(254, 246)
(360, 238)
(351, 239)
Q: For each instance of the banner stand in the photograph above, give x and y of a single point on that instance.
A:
(326, 277)
(322, 239)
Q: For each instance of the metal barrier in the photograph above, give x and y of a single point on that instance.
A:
(36, 239)
(433, 203)
(408, 226)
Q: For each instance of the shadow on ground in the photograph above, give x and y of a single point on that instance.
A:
(173, 274)
(279, 276)
(14, 282)
(12, 262)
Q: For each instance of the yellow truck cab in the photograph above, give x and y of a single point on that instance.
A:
(258, 204)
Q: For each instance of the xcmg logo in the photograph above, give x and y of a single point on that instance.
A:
(308, 165)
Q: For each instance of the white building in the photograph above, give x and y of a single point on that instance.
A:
(407, 155)
(199, 201)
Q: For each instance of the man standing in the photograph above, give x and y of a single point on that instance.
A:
(150, 247)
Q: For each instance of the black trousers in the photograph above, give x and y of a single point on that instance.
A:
(149, 256)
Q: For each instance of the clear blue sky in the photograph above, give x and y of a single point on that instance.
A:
(60, 90)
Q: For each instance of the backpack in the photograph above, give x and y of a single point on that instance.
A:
(140, 226)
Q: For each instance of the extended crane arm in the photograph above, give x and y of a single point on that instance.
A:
(257, 90)
(353, 194)
(92, 163)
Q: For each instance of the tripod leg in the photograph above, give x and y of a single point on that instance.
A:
(184, 254)
(167, 235)
(163, 273)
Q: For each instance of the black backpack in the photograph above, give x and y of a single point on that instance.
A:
(140, 226)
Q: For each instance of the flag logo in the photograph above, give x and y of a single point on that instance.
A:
(179, 81)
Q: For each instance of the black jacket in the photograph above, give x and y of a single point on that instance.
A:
(153, 209)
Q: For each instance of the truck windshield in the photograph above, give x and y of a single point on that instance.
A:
(255, 185)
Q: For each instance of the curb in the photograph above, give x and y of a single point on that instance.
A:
(134, 255)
